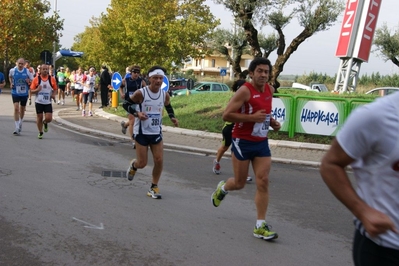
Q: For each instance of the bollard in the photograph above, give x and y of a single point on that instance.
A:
(115, 99)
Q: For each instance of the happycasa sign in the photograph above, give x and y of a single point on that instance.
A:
(319, 117)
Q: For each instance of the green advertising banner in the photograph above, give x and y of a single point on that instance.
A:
(282, 111)
(319, 116)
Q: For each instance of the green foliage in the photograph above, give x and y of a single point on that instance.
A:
(27, 29)
(387, 44)
(313, 16)
(315, 77)
(147, 33)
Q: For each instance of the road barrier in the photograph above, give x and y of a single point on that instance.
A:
(315, 115)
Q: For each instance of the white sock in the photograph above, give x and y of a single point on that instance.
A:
(259, 223)
(16, 124)
(224, 191)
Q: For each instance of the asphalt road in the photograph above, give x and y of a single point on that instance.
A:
(58, 208)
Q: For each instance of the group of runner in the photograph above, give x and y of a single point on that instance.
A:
(25, 81)
(47, 85)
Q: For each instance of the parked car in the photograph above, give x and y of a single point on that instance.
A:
(203, 87)
(383, 91)
(177, 84)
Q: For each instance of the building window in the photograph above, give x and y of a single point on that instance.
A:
(213, 62)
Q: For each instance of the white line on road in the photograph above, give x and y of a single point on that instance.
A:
(88, 225)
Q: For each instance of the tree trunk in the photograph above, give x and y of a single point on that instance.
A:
(282, 58)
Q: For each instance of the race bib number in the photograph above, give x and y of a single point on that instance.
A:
(261, 129)
(43, 97)
(152, 124)
(21, 89)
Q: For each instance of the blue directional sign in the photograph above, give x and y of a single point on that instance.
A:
(223, 72)
(165, 83)
(116, 81)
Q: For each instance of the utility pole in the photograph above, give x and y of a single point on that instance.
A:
(54, 43)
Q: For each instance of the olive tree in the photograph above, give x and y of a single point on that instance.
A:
(312, 15)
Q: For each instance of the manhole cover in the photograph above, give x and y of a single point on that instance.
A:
(112, 173)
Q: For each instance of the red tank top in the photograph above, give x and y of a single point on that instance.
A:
(259, 100)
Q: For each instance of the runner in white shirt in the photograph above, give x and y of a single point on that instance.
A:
(88, 92)
(79, 82)
(44, 87)
(369, 141)
(147, 106)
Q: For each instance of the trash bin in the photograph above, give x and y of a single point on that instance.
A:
(115, 99)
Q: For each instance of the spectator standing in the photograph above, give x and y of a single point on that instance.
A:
(105, 85)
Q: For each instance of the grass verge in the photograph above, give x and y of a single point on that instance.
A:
(204, 112)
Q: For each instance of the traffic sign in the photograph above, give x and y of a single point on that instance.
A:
(47, 57)
(116, 81)
(165, 83)
(223, 72)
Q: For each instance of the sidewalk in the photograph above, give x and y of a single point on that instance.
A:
(108, 125)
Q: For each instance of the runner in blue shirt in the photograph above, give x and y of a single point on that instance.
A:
(20, 80)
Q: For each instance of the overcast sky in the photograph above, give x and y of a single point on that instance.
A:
(316, 54)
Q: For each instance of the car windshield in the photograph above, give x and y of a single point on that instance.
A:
(178, 83)
(323, 88)
(197, 85)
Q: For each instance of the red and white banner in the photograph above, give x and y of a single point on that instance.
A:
(357, 30)
(367, 26)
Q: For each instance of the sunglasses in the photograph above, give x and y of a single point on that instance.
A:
(136, 71)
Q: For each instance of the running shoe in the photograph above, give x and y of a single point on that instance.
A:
(16, 132)
(19, 127)
(216, 167)
(45, 126)
(263, 232)
(133, 145)
(90, 113)
(83, 112)
(77, 109)
(58, 103)
(154, 193)
(123, 127)
(131, 171)
(249, 179)
(40, 136)
(218, 195)
(63, 103)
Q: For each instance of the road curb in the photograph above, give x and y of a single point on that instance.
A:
(194, 133)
